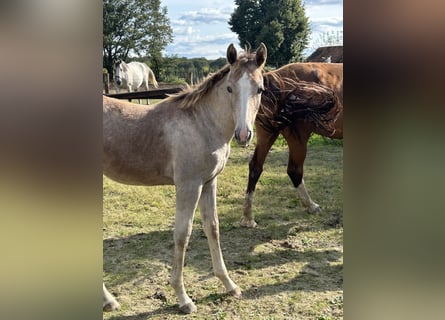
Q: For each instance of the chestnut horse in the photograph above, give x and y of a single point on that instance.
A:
(185, 141)
(296, 133)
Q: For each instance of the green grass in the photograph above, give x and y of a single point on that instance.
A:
(144, 101)
(315, 139)
(289, 267)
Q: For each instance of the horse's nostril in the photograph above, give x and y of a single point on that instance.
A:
(237, 135)
(249, 135)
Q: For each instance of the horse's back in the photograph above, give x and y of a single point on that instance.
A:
(135, 147)
(328, 74)
(120, 110)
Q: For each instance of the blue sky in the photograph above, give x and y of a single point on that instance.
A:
(201, 29)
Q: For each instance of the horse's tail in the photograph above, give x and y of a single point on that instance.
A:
(151, 77)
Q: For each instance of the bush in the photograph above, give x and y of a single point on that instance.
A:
(175, 80)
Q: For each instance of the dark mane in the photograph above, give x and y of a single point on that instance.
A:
(285, 100)
(191, 95)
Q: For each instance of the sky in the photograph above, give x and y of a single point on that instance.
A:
(201, 29)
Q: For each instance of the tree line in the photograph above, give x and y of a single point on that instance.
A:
(181, 70)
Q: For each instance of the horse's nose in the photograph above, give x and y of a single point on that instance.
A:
(243, 137)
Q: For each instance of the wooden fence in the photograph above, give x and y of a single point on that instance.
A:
(150, 94)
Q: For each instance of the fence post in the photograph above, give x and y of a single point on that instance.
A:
(106, 81)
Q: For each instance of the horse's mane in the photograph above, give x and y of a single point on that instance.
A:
(189, 96)
(286, 100)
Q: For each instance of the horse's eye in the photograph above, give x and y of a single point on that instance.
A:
(229, 89)
(260, 90)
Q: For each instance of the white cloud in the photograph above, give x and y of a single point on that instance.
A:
(208, 46)
(324, 24)
(206, 16)
(323, 2)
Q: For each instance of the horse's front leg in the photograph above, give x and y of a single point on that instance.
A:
(209, 215)
(265, 140)
(187, 196)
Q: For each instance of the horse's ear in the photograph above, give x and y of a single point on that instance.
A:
(231, 54)
(261, 55)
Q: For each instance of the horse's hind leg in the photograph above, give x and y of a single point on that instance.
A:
(146, 89)
(207, 205)
(308, 203)
(297, 143)
(186, 200)
(265, 141)
(109, 302)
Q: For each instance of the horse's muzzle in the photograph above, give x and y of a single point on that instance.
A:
(243, 138)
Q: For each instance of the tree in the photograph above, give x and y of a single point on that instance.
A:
(281, 24)
(217, 64)
(139, 27)
(328, 38)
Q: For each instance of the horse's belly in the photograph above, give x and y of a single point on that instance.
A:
(136, 176)
(138, 180)
(135, 169)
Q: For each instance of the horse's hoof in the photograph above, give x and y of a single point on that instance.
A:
(235, 292)
(314, 209)
(111, 306)
(188, 308)
(248, 223)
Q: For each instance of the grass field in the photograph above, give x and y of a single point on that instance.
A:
(289, 267)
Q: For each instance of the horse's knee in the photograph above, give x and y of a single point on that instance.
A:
(181, 240)
(211, 226)
(212, 230)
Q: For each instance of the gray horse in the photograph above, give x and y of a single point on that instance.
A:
(185, 141)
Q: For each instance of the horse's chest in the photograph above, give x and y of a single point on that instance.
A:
(218, 161)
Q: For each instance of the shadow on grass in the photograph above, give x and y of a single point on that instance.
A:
(167, 310)
(128, 259)
(143, 255)
(316, 276)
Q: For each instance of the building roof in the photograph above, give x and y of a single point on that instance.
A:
(335, 52)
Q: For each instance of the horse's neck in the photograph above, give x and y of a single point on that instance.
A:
(127, 75)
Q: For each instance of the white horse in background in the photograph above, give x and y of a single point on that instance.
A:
(133, 75)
